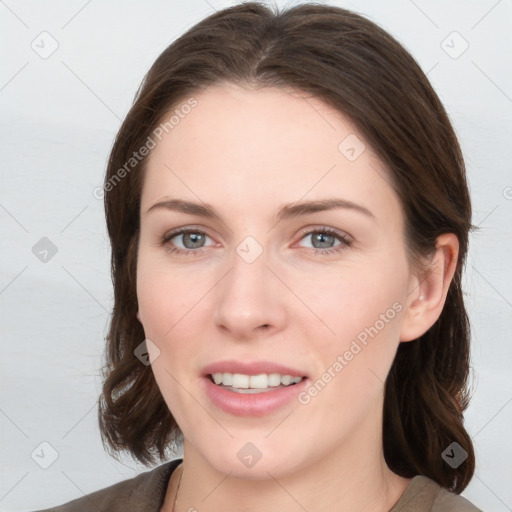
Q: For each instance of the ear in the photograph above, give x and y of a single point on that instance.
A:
(138, 316)
(428, 291)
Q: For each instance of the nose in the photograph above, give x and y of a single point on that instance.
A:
(250, 300)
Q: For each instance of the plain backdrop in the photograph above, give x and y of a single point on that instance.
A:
(68, 76)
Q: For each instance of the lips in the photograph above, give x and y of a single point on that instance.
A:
(251, 368)
(260, 404)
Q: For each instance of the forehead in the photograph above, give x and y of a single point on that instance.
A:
(238, 123)
(257, 146)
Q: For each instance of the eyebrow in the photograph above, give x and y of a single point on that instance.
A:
(287, 211)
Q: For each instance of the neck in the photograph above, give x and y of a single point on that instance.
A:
(352, 476)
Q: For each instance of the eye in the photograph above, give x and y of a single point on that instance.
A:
(190, 238)
(193, 240)
(323, 238)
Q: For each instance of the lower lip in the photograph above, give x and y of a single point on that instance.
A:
(254, 404)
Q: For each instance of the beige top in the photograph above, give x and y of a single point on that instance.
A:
(146, 493)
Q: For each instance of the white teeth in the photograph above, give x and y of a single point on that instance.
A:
(258, 381)
(274, 379)
(240, 381)
(286, 380)
(262, 381)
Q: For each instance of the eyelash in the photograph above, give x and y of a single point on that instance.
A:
(346, 242)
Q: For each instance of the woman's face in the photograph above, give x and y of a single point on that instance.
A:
(262, 282)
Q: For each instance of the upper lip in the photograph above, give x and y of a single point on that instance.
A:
(251, 368)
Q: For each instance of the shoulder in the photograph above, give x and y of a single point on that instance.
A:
(448, 501)
(425, 495)
(144, 492)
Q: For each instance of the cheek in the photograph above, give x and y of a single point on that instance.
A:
(171, 303)
(362, 310)
(166, 304)
(356, 300)
(160, 294)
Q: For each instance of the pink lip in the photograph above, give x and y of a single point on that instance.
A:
(257, 404)
(248, 368)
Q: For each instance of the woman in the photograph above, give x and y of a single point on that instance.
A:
(289, 215)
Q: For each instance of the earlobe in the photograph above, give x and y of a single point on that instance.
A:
(427, 296)
(138, 316)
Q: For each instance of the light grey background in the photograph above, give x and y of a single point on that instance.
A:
(59, 118)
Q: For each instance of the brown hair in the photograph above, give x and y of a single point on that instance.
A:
(356, 67)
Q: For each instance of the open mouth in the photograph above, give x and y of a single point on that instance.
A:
(255, 395)
(250, 384)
